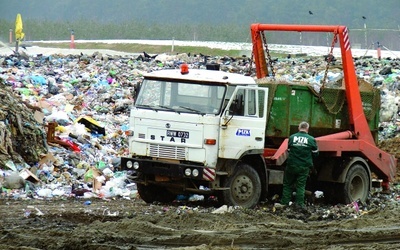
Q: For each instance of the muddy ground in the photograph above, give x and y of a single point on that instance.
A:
(73, 223)
(122, 223)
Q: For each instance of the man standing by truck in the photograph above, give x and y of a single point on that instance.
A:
(302, 149)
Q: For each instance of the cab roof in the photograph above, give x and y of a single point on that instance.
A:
(202, 75)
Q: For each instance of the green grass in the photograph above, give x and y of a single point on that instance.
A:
(151, 49)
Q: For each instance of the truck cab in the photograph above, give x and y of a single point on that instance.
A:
(190, 130)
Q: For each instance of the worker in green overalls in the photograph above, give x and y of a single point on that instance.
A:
(302, 149)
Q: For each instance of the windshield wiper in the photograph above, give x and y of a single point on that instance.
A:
(191, 109)
(155, 107)
(165, 107)
(145, 106)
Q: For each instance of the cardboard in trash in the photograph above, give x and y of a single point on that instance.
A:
(28, 175)
(39, 116)
(92, 175)
(49, 157)
(45, 105)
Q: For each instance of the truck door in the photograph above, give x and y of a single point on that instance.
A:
(243, 122)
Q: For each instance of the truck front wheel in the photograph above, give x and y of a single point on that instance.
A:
(244, 187)
(152, 193)
(356, 186)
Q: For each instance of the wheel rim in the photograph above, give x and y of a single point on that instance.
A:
(242, 189)
(357, 188)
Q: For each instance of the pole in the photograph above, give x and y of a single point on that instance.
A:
(378, 50)
(172, 48)
(72, 44)
(365, 35)
(301, 43)
(11, 36)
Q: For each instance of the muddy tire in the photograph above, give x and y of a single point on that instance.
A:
(356, 186)
(244, 187)
(152, 193)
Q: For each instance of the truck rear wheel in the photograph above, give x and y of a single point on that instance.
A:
(152, 193)
(356, 186)
(244, 187)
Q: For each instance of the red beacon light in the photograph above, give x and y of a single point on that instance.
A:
(184, 69)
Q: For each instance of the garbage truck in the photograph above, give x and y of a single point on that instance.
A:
(221, 134)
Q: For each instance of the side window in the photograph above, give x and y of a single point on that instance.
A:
(238, 103)
(251, 107)
(261, 100)
(246, 102)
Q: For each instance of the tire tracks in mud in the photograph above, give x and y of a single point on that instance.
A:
(282, 235)
(135, 225)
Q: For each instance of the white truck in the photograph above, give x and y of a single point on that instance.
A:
(181, 139)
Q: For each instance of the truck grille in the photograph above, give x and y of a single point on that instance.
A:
(170, 152)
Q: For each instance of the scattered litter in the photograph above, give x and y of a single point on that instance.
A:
(223, 209)
(318, 194)
(64, 117)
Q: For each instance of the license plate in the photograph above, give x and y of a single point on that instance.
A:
(178, 134)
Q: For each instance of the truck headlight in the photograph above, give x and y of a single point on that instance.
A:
(136, 165)
(188, 172)
(195, 172)
(129, 164)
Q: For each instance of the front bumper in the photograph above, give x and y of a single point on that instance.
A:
(164, 168)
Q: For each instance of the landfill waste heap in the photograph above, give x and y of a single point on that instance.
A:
(63, 117)
(17, 127)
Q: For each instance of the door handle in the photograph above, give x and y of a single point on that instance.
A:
(258, 139)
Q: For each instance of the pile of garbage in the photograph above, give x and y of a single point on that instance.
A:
(63, 118)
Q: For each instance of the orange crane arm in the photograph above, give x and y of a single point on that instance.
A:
(356, 113)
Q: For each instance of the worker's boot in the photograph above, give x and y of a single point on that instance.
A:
(300, 209)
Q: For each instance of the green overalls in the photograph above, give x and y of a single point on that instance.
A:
(302, 149)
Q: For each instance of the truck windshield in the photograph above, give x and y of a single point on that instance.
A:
(181, 97)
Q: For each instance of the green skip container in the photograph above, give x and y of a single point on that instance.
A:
(326, 111)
